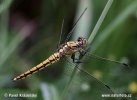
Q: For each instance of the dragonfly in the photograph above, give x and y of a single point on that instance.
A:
(67, 49)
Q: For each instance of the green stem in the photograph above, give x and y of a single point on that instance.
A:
(116, 22)
(5, 5)
(99, 22)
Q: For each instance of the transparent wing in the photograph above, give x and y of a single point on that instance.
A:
(96, 57)
(79, 81)
(61, 33)
(74, 25)
(71, 31)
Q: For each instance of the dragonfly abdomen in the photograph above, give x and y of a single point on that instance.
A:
(52, 59)
(66, 49)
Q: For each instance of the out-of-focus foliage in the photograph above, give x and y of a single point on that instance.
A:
(30, 31)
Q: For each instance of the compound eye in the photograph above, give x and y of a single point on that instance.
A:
(80, 38)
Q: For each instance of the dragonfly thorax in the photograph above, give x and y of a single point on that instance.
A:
(70, 47)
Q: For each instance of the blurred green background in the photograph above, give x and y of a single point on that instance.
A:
(30, 31)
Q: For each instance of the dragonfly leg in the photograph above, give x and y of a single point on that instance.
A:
(76, 60)
(83, 52)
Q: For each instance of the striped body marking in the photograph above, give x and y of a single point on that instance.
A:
(64, 50)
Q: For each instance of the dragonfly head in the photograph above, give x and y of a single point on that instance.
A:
(82, 41)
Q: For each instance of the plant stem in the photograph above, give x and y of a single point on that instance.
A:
(99, 22)
(115, 23)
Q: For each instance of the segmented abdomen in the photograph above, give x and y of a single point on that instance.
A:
(52, 59)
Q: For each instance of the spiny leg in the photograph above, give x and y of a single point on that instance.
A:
(83, 52)
(75, 60)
